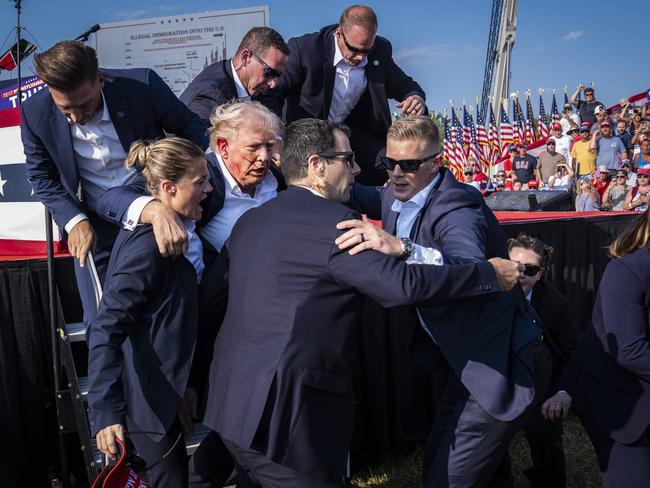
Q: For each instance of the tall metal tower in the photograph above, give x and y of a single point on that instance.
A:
(503, 27)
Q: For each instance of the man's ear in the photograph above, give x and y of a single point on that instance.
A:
(316, 165)
(222, 147)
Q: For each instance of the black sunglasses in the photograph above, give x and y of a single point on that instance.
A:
(642, 176)
(531, 269)
(269, 72)
(355, 50)
(406, 165)
(467, 173)
(348, 155)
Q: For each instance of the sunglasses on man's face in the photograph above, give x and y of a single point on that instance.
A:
(355, 50)
(347, 157)
(531, 269)
(269, 73)
(406, 165)
(642, 176)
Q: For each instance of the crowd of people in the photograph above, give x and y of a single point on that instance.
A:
(234, 257)
(588, 153)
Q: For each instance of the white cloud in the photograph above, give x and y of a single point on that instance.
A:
(431, 53)
(573, 35)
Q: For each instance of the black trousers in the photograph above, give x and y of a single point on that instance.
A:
(466, 444)
(259, 471)
(166, 459)
(211, 465)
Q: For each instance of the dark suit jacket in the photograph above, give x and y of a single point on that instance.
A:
(479, 338)
(608, 376)
(142, 339)
(560, 329)
(141, 106)
(212, 87)
(307, 85)
(286, 341)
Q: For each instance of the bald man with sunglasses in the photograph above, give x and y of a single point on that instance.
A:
(345, 73)
(498, 361)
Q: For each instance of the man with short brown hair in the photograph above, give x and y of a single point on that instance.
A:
(547, 162)
(346, 73)
(260, 59)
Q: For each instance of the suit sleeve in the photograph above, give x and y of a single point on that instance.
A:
(44, 176)
(367, 200)
(393, 282)
(625, 316)
(136, 272)
(114, 203)
(398, 84)
(462, 231)
(173, 116)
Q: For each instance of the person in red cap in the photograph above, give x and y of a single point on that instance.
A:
(583, 157)
(610, 149)
(637, 198)
(524, 164)
(562, 142)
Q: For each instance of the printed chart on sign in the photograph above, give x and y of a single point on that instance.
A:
(178, 47)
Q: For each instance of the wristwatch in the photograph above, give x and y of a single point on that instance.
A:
(408, 248)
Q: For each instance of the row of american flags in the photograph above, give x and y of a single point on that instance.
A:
(486, 141)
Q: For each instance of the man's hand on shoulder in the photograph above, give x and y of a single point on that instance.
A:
(508, 272)
(167, 228)
(413, 105)
(81, 239)
(363, 235)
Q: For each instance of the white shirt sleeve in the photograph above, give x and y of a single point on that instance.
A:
(425, 255)
(74, 221)
(134, 211)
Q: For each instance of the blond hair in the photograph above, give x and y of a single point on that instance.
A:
(164, 159)
(635, 236)
(414, 127)
(227, 119)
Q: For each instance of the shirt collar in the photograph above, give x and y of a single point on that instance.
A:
(269, 183)
(418, 200)
(241, 89)
(311, 190)
(338, 56)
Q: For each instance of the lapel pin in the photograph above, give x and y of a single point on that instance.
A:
(376, 62)
(119, 114)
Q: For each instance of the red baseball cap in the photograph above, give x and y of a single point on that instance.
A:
(643, 171)
(605, 123)
(556, 126)
(119, 475)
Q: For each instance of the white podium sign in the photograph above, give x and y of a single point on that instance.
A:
(178, 47)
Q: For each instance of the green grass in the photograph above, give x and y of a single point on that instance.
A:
(402, 470)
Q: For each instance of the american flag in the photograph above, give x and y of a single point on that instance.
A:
(505, 132)
(542, 127)
(566, 97)
(555, 115)
(459, 146)
(450, 153)
(518, 122)
(467, 128)
(493, 138)
(22, 216)
(530, 122)
(481, 133)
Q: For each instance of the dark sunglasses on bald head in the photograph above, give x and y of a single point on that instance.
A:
(269, 73)
(406, 165)
(355, 50)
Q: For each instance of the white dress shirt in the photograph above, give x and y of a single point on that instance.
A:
(242, 93)
(100, 161)
(349, 84)
(408, 214)
(235, 203)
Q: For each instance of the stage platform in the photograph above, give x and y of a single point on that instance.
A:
(394, 400)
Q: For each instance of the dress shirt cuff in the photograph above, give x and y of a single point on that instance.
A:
(134, 211)
(425, 255)
(74, 221)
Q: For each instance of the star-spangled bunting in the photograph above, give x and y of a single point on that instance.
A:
(542, 126)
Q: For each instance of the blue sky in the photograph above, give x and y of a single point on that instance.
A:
(440, 44)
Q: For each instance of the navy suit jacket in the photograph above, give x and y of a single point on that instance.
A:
(142, 340)
(479, 339)
(608, 376)
(212, 87)
(307, 84)
(281, 378)
(141, 106)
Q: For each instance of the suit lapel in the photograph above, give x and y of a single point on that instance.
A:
(377, 88)
(390, 225)
(227, 67)
(329, 74)
(118, 109)
(61, 131)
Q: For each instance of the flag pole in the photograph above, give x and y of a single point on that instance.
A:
(18, 5)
